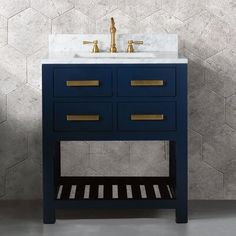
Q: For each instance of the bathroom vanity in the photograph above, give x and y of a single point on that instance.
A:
(104, 97)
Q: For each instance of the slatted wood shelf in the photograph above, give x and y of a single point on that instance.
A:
(115, 188)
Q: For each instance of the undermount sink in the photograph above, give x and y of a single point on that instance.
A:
(115, 55)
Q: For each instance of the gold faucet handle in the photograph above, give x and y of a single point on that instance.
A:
(137, 42)
(95, 45)
(130, 45)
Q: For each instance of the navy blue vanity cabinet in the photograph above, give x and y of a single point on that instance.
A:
(105, 102)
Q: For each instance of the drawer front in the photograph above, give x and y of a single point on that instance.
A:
(146, 116)
(146, 82)
(82, 82)
(83, 116)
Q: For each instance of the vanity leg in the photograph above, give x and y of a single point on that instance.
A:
(181, 213)
(172, 160)
(181, 180)
(48, 182)
(49, 216)
(57, 160)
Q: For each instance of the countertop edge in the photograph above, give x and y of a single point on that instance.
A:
(162, 61)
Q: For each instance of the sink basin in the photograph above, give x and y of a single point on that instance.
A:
(115, 55)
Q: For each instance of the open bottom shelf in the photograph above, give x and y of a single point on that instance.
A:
(115, 188)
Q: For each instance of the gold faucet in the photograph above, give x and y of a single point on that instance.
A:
(113, 36)
(95, 45)
(130, 48)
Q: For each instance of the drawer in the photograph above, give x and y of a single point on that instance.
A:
(146, 81)
(146, 116)
(82, 82)
(83, 116)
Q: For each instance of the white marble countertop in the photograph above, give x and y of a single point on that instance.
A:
(157, 49)
(158, 58)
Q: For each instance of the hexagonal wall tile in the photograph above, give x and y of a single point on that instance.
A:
(34, 68)
(24, 107)
(193, 26)
(91, 172)
(13, 69)
(13, 145)
(154, 168)
(139, 9)
(73, 22)
(232, 37)
(74, 158)
(167, 151)
(230, 180)
(3, 108)
(2, 186)
(3, 31)
(231, 111)
(219, 147)
(194, 145)
(109, 158)
(28, 31)
(52, 8)
(196, 78)
(183, 9)
(160, 22)
(10, 8)
(147, 158)
(225, 9)
(224, 62)
(35, 142)
(124, 23)
(95, 8)
(19, 187)
(206, 110)
(218, 82)
(205, 182)
(205, 35)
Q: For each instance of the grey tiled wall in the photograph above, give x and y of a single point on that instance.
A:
(208, 39)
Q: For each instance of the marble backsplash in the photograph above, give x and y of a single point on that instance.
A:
(70, 44)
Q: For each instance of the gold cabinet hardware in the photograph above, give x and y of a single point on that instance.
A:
(130, 48)
(82, 117)
(95, 45)
(144, 117)
(147, 83)
(82, 83)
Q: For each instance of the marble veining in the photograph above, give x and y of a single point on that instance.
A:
(66, 49)
(70, 43)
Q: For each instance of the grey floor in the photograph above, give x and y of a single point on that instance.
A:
(206, 218)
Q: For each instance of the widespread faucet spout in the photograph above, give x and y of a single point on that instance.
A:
(113, 36)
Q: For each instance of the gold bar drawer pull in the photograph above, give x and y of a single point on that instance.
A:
(82, 83)
(82, 117)
(144, 117)
(135, 83)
